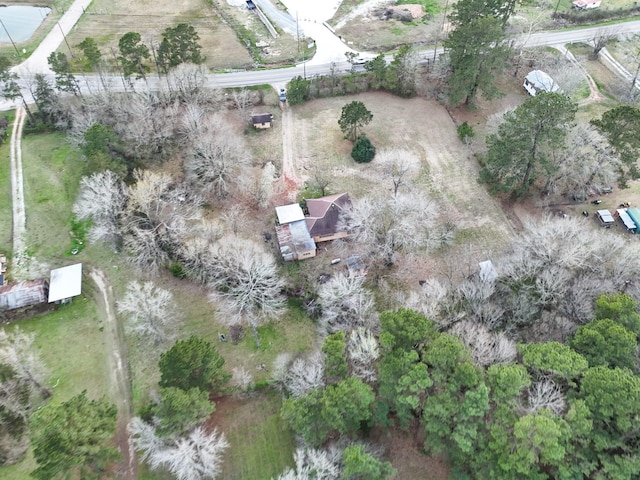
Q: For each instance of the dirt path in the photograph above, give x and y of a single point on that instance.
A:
(17, 194)
(120, 381)
(594, 92)
(290, 181)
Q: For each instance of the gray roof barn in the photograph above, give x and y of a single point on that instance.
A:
(23, 294)
(295, 241)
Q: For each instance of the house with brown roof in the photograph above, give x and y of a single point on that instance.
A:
(324, 215)
(262, 120)
(298, 234)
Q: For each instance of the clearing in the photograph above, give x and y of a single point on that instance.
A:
(447, 171)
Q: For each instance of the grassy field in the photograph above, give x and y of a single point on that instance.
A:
(260, 445)
(52, 171)
(5, 194)
(71, 344)
(107, 20)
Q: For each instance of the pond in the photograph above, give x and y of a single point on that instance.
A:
(19, 22)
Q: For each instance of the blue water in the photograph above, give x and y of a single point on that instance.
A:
(20, 21)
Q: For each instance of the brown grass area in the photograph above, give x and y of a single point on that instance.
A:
(407, 458)
(107, 20)
(447, 173)
(372, 34)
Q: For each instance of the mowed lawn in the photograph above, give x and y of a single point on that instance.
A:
(260, 445)
(71, 343)
(52, 171)
(69, 340)
(5, 195)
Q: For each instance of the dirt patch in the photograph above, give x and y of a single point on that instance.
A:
(408, 459)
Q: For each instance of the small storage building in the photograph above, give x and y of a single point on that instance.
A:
(586, 4)
(538, 81)
(23, 294)
(605, 218)
(634, 214)
(626, 220)
(262, 120)
(65, 283)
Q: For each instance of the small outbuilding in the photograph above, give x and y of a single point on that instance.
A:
(626, 220)
(262, 120)
(605, 218)
(586, 4)
(23, 294)
(634, 214)
(538, 81)
(65, 283)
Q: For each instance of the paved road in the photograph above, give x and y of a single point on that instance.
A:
(277, 16)
(322, 65)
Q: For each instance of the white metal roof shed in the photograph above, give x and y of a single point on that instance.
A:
(289, 213)
(66, 282)
(537, 79)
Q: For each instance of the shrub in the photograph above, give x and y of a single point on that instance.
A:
(298, 90)
(363, 150)
(465, 132)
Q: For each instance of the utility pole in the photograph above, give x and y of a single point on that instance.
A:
(11, 39)
(444, 19)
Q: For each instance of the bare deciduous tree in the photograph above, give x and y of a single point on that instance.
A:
(215, 159)
(362, 350)
(313, 464)
(21, 390)
(242, 379)
(403, 223)
(187, 81)
(159, 216)
(487, 348)
(102, 199)
(399, 166)
(346, 304)
(18, 352)
(305, 374)
(586, 167)
(546, 394)
(150, 311)
(600, 40)
(258, 185)
(247, 282)
(197, 456)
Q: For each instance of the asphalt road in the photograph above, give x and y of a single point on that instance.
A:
(280, 77)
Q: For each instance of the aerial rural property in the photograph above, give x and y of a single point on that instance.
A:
(292, 240)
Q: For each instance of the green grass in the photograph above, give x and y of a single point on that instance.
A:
(430, 6)
(52, 171)
(260, 445)
(5, 194)
(71, 345)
